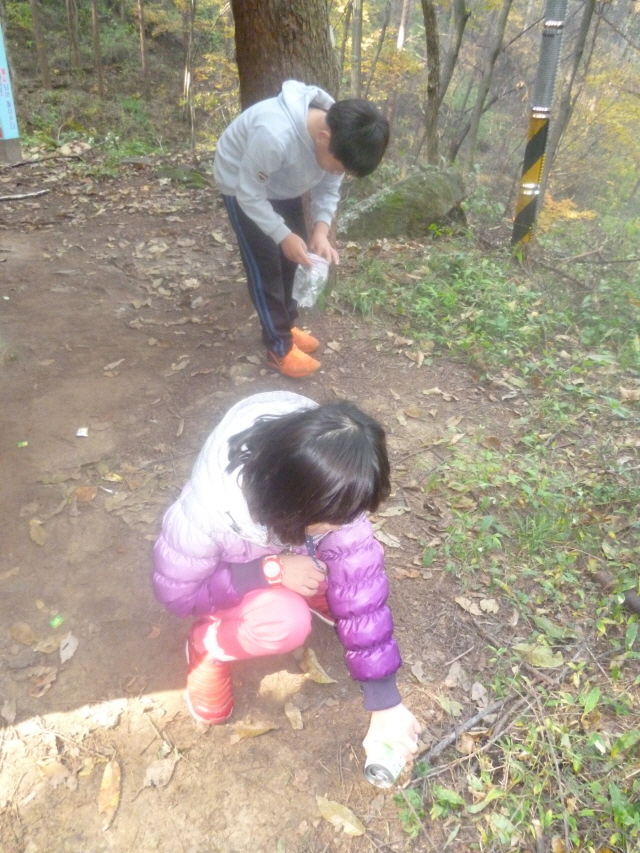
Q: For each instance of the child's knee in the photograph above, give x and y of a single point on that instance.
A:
(294, 617)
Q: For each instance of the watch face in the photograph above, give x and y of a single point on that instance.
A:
(272, 569)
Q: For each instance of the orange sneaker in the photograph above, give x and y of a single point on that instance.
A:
(295, 363)
(306, 343)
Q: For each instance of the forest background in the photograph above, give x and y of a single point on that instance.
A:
(556, 321)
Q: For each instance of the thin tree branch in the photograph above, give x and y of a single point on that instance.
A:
(22, 195)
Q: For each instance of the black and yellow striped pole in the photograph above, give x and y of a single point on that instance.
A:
(539, 115)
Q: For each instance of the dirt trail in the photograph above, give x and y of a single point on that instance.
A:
(124, 314)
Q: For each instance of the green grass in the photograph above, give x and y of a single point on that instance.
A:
(533, 520)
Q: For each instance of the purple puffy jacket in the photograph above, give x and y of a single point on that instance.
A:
(208, 529)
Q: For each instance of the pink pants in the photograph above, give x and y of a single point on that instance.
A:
(265, 622)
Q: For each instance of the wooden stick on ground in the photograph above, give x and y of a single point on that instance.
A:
(22, 195)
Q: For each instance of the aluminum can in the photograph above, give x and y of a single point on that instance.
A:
(383, 765)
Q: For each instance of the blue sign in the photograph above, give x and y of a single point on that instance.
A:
(8, 119)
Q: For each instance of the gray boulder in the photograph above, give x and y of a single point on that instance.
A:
(406, 208)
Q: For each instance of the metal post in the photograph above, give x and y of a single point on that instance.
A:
(10, 149)
(540, 112)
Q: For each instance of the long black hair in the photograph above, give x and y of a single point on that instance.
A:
(326, 464)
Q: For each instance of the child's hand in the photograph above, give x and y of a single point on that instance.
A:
(295, 249)
(300, 574)
(321, 246)
(396, 727)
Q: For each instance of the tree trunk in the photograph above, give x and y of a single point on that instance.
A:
(405, 15)
(374, 63)
(187, 92)
(356, 50)
(433, 80)
(97, 53)
(485, 81)
(143, 53)
(72, 25)
(568, 98)
(345, 36)
(41, 48)
(461, 16)
(278, 41)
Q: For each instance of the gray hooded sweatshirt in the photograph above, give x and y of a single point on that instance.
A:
(267, 153)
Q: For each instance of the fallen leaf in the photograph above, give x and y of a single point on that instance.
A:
(449, 706)
(558, 845)
(41, 680)
(85, 494)
(409, 573)
(455, 676)
(489, 605)
(539, 654)
(159, 772)
(48, 645)
(468, 605)
(22, 633)
(551, 629)
(244, 730)
(491, 442)
(466, 744)
(387, 539)
(430, 392)
(107, 715)
(109, 795)
(340, 816)
(479, 694)
(294, 716)
(334, 345)
(309, 664)
(464, 503)
(629, 396)
(417, 357)
(9, 711)
(417, 670)
(392, 512)
(154, 632)
(36, 531)
(413, 412)
(113, 364)
(68, 646)
(54, 772)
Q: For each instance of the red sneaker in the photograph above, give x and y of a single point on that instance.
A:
(319, 606)
(304, 341)
(209, 693)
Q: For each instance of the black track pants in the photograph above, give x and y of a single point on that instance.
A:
(269, 273)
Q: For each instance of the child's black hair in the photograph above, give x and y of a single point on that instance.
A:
(359, 135)
(326, 464)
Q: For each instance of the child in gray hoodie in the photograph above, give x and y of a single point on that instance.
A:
(270, 155)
